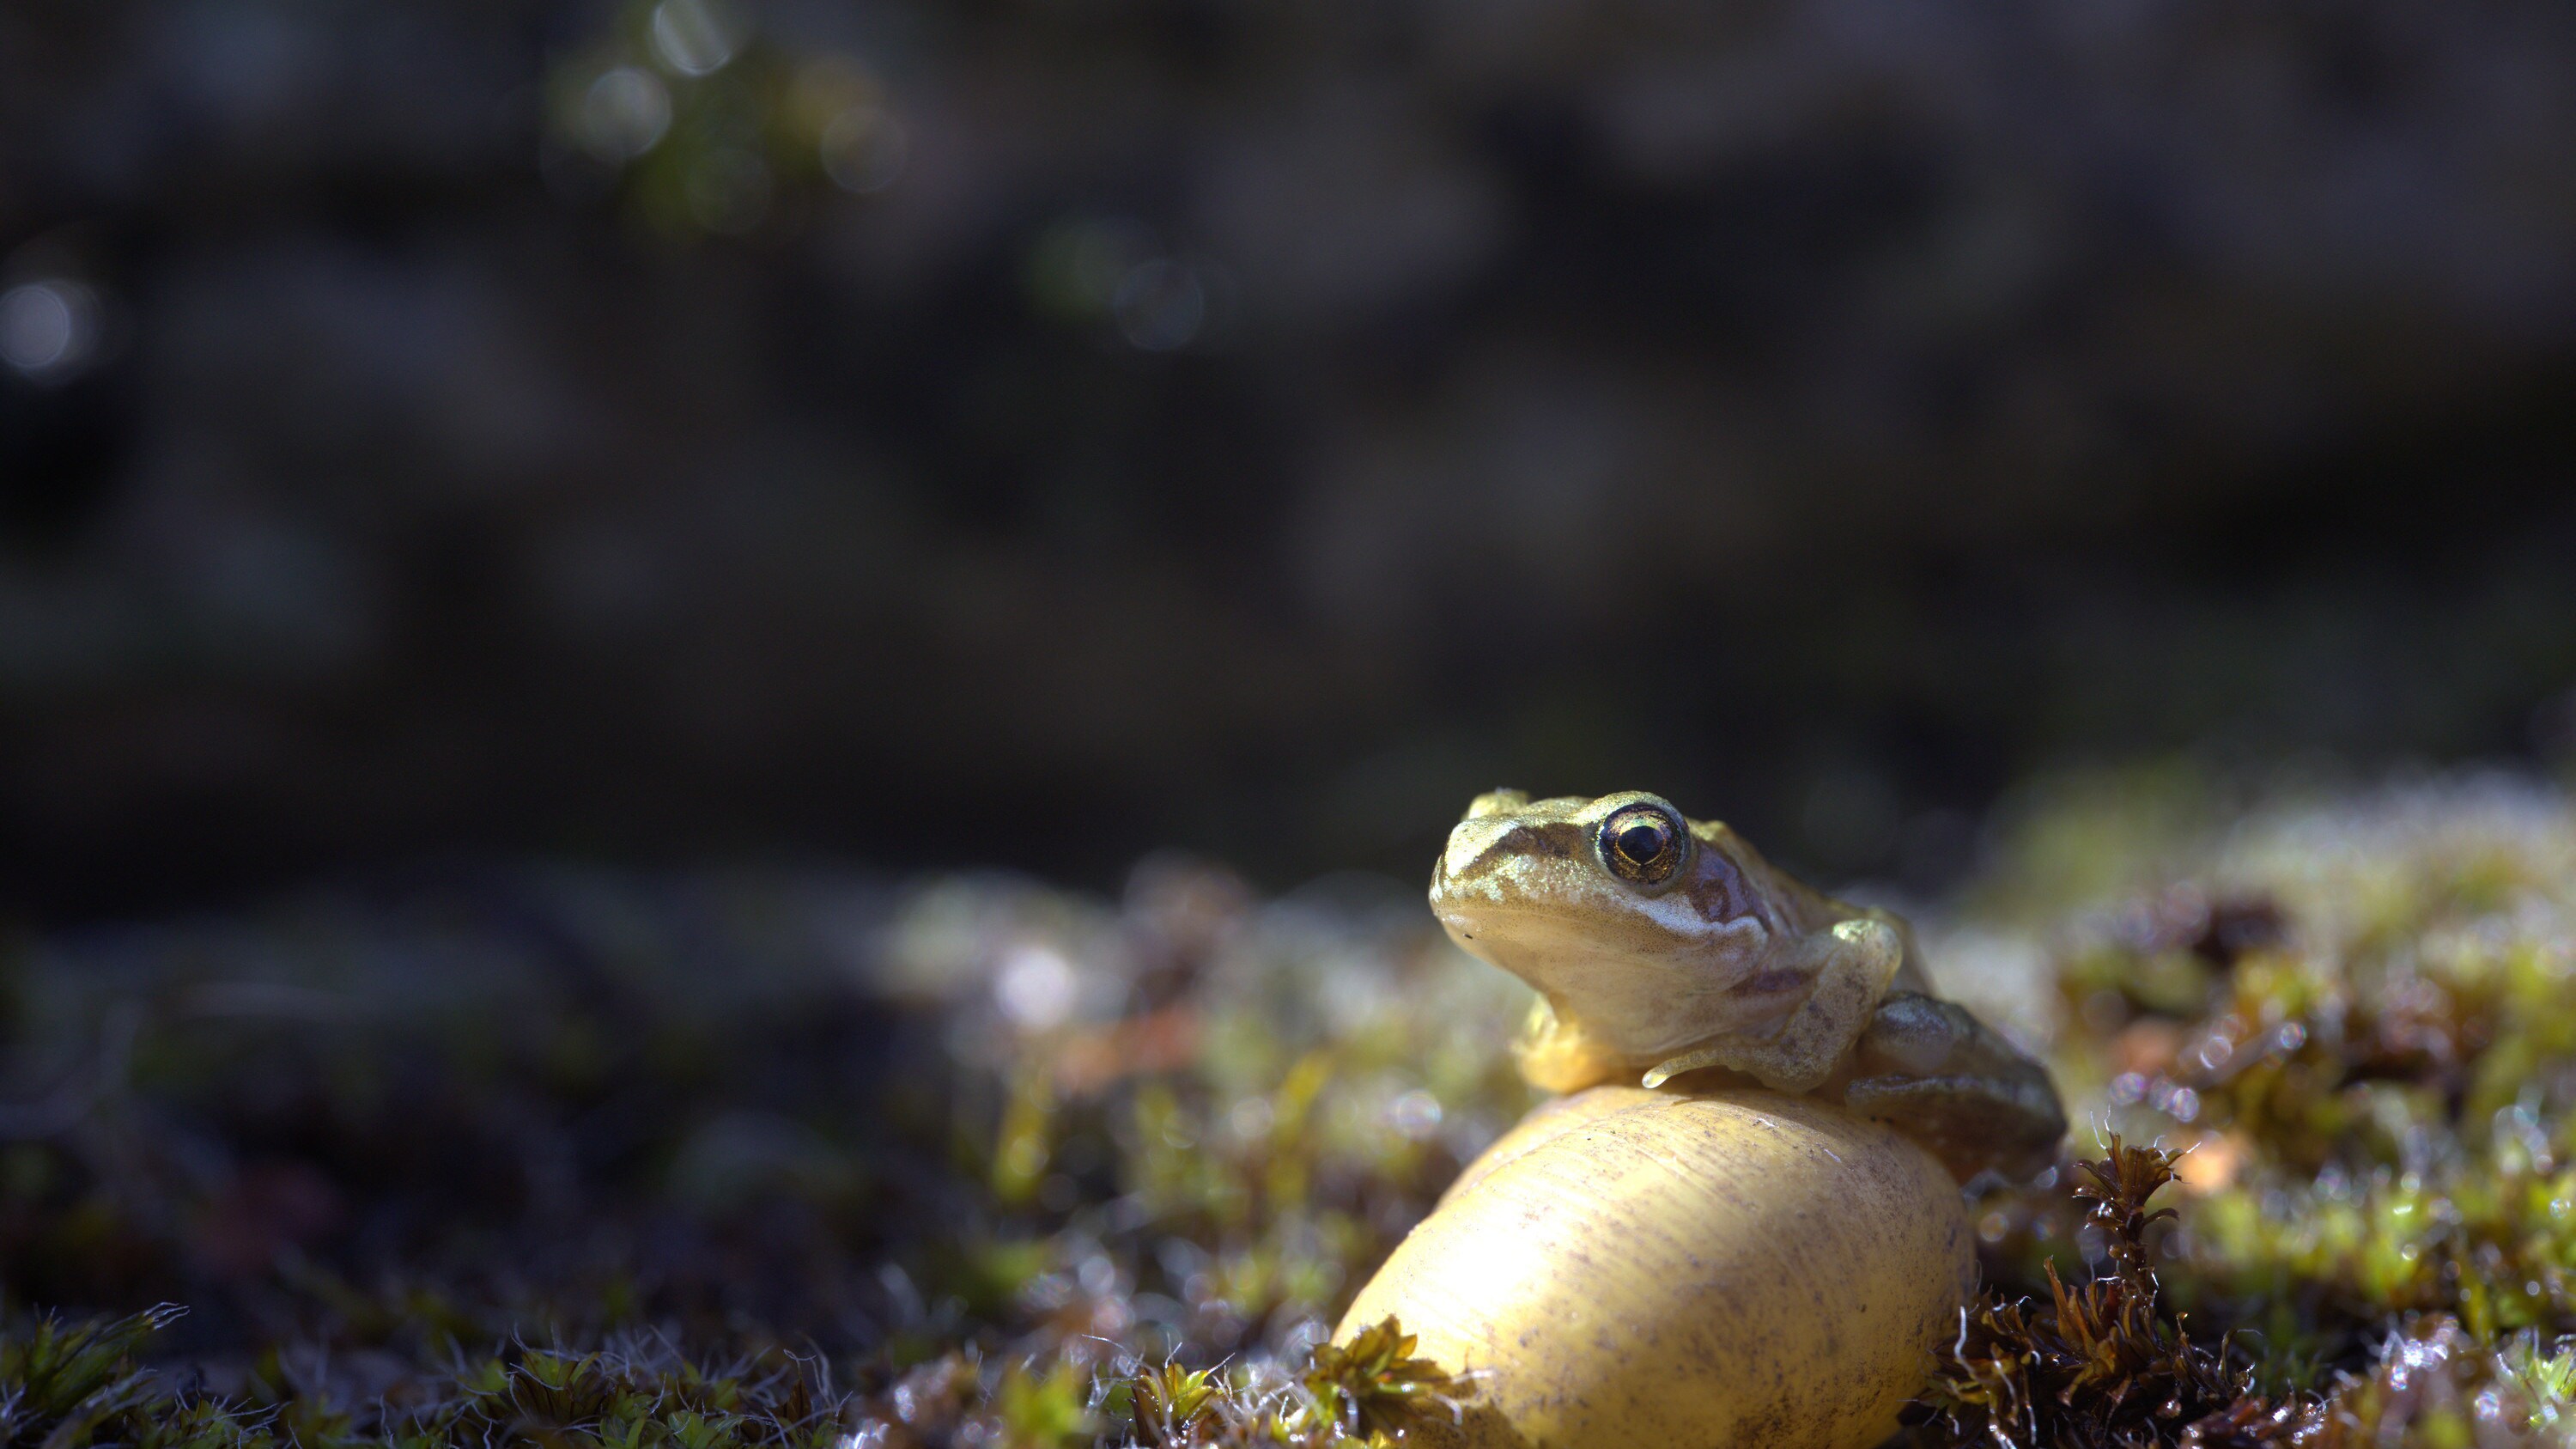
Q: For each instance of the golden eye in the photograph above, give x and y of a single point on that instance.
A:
(1644, 845)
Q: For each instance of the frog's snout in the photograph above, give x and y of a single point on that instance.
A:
(1465, 890)
(1471, 841)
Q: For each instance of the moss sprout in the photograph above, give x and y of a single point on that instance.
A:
(2105, 1364)
(76, 1383)
(1374, 1385)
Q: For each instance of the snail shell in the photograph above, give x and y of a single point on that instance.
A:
(1728, 1268)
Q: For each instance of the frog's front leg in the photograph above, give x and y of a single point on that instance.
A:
(1936, 1073)
(1852, 966)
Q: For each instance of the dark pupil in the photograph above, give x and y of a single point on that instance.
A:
(1642, 843)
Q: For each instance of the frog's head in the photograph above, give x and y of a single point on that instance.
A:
(1649, 929)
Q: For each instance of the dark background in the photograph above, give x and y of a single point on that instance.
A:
(920, 433)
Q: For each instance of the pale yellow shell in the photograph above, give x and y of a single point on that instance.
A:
(1631, 1268)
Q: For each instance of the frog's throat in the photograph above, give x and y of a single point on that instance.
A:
(1555, 1055)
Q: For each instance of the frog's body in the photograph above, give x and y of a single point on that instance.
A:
(1662, 946)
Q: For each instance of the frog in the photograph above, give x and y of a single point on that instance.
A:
(1667, 950)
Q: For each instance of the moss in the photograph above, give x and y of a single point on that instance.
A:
(78, 1383)
(572, 1159)
(1374, 1385)
(2106, 1363)
(2349, 1018)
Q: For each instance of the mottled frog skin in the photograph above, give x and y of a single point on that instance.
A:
(1664, 947)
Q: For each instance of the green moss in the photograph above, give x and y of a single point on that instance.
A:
(2355, 1016)
(567, 1160)
(75, 1384)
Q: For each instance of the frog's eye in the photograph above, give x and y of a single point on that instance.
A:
(1644, 845)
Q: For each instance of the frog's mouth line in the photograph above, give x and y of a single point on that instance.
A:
(1520, 895)
(1503, 933)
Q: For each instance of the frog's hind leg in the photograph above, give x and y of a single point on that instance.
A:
(1936, 1073)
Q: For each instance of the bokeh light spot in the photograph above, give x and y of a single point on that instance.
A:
(1161, 305)
(624, 114)
(864, 149)
(1035, 988)
(48, 329)
(695, 37)
(1416, 1114)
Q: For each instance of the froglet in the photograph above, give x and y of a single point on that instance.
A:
(1664, 947)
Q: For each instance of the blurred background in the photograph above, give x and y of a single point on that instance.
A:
(918, 432)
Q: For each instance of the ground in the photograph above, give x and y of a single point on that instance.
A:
(571, 1157)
